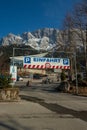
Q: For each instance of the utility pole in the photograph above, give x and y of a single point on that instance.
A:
(76, 73)
(86, 52)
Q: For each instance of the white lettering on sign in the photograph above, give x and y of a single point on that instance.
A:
(36, 59)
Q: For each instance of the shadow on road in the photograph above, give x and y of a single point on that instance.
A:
(57, 108)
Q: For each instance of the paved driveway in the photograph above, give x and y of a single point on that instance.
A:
(42, 108)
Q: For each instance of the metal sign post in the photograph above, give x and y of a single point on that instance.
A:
(76, 74)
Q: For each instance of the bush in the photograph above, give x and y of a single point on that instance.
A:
(63, 76)
(5, 81)
(63, 86)
(81, 83)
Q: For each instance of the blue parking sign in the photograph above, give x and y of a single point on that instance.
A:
(66, 61)
(27, 60)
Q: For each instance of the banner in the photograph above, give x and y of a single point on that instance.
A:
(43, 62)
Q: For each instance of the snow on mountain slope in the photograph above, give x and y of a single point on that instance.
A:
(27, 38)
(44, 39)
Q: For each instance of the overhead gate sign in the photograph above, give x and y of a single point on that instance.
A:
(43, 62)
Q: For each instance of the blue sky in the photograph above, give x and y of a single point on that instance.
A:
(18, 16)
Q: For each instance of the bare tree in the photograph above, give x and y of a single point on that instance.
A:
(75, 27)
(80, 22)
(68, 35)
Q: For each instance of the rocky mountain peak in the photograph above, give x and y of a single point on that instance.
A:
(44, 39)
(27, 36)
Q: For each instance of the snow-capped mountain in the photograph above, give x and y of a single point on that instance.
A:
(41, 39)
(44, 39)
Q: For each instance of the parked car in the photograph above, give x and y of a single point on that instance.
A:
(19, 78)
(36, 76)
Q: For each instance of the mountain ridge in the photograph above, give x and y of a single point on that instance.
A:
(44, 39)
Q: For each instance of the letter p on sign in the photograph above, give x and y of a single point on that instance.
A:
(27, 60)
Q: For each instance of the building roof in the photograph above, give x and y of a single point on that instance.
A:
(20, 58)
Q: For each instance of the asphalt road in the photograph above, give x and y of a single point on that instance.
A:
(46, 95)
(42, 108)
